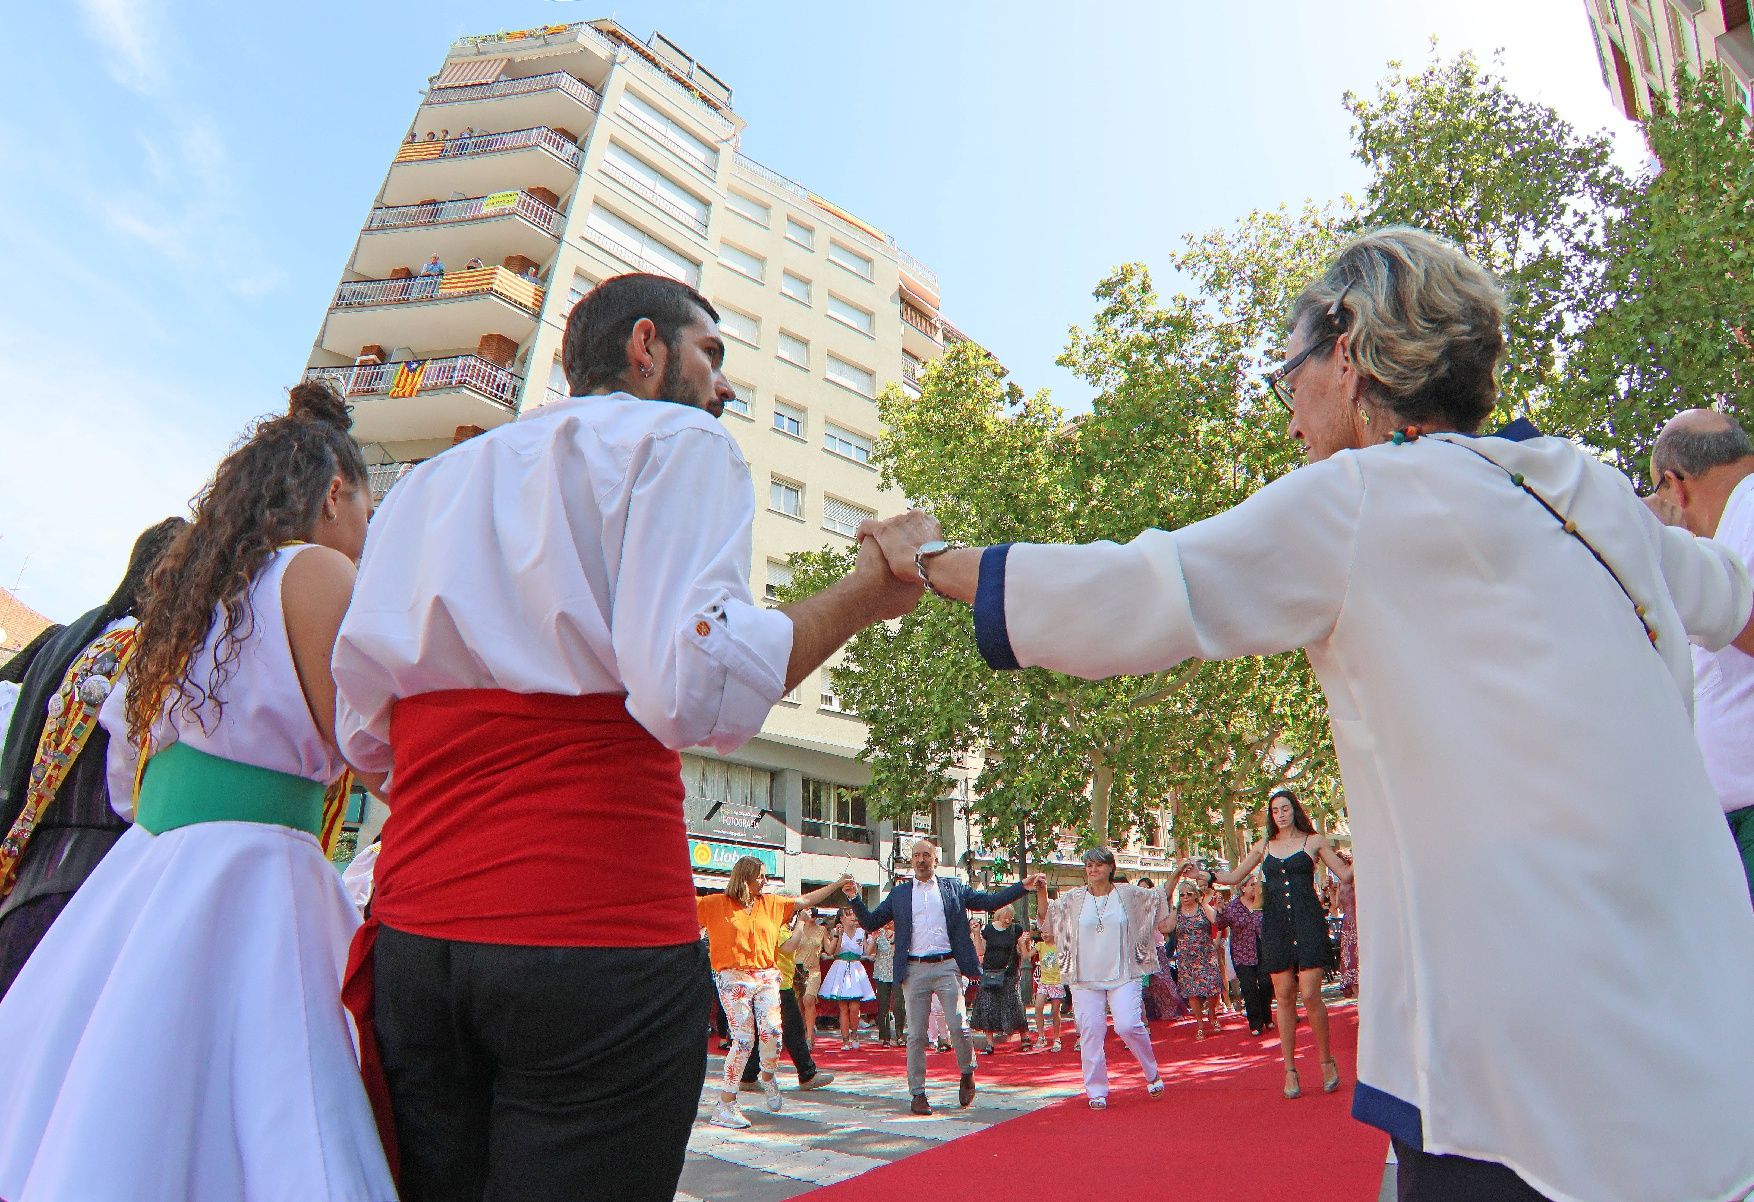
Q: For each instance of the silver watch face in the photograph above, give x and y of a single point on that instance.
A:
(935, 547)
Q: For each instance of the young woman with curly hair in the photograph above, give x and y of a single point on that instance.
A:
(195, 979)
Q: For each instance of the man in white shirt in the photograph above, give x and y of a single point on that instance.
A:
(933, 952)
(544, 616)
(1701, 466)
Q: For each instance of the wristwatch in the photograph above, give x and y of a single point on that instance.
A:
(927, 550)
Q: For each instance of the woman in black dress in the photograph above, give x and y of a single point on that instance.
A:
(998, 1007)
(1294, 930)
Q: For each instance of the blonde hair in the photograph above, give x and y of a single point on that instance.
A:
(742, 872)
(1424, 324)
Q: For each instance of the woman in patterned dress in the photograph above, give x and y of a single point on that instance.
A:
(1002, 945)
(1348, 935)
(1196, 973)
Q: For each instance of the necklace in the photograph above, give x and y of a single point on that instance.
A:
(1101, 913)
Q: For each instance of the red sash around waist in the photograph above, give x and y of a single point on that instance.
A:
(533, 819)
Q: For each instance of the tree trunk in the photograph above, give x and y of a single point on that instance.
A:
(1101, 782)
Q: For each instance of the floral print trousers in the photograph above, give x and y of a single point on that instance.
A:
(751, 998)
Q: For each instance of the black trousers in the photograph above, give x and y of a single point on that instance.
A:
(1423, 1177)
(1257, 995)
(792, 1036)
(526, 1074)
(891, 999)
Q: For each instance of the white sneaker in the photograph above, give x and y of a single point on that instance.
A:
(726, 1114)
(771, 1087)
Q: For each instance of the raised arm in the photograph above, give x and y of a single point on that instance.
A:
(1331, 858)
(975, 899)
(1236, 875)
(817, 896)
(1266, 576)
(871, 920)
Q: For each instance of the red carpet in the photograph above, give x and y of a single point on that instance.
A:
(1221, 1130)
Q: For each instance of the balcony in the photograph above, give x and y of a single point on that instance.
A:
(492, 227)
(689, 220)
(534, 157)
(921, 334)
(424, 400)
(635, 258)
(381, 477)
(432, 311)
(556, 100)
(910, 376)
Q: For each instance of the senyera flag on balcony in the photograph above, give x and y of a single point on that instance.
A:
(408, 378)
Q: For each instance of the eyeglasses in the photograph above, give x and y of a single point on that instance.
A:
(1277, 379)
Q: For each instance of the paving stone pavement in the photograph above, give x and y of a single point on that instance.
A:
(823, 1136)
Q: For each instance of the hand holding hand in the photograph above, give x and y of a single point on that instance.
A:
(848, 886)
(1035, 880)
(891, 596)
(899, 537)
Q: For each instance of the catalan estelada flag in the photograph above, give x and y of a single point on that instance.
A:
(408, 376)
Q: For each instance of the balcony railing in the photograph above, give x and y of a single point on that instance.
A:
(910, 375)
(380, 476)
(750, 167)
(559, 81)
(920, 321)
(524, 293)
(914, 267)
(687, 153)
(474, 208)
(430, 375)
(564, 149)
(634, 183)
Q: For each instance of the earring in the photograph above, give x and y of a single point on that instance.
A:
(1364, 415)
(646, 371)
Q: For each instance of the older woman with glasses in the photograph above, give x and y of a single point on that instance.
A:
(1502, 631)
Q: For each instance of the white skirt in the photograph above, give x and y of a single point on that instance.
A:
(845, 981)
(179, 1037)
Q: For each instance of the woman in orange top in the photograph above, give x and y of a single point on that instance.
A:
(743, 926)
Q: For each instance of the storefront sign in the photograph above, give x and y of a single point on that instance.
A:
(707, 856)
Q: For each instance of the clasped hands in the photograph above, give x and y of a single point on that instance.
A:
(892, 544)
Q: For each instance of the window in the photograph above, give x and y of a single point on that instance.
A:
(849, 314)
(794, 349)
(846, 444)
(1644, 48)
(843, 518)
(1609, 15)
(790, 696)
(800, 233)
(785, 496)
(779, 576)
(743, 794)
(850, 259)
(795, 286)
(740, 402)
(830, 699)
(652, 184)
(788, 419)
(740, 326)
(753, 266)
(557, 385)
(1681, 38)
(834, 811)
(674, 137)
(848, 375)
(748, 207)
(627, 241)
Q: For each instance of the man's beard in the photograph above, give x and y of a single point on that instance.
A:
(672, 387)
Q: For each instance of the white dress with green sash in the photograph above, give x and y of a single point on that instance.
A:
(179, 1035)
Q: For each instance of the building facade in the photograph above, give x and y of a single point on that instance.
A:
(1642, 43)
(543, 161)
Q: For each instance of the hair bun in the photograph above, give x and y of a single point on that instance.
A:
(319, 401)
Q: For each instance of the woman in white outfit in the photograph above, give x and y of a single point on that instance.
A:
(1502, 633)
(1107, 935)
(179, 1036)
(845, 983)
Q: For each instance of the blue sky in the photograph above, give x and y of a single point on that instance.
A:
(185, 181)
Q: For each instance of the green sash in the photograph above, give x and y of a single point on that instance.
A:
(183, 786)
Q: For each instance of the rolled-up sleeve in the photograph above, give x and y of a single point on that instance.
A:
(1709, 585)
(1266, 576)
(702, 663)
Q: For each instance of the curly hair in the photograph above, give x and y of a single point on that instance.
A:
(1426, 324)
(266, 493)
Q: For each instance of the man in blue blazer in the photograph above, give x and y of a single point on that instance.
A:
(933, 952)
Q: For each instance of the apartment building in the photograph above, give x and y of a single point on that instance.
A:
(1642, 43)
(543, 161)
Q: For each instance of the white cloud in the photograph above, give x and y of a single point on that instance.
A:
(114, 452)
(133, 50)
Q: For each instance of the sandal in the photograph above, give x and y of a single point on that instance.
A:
(1330, 1084)
(1293, 1087)
(1056, 1046)
(1155, 1088)
(1099, 1103)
